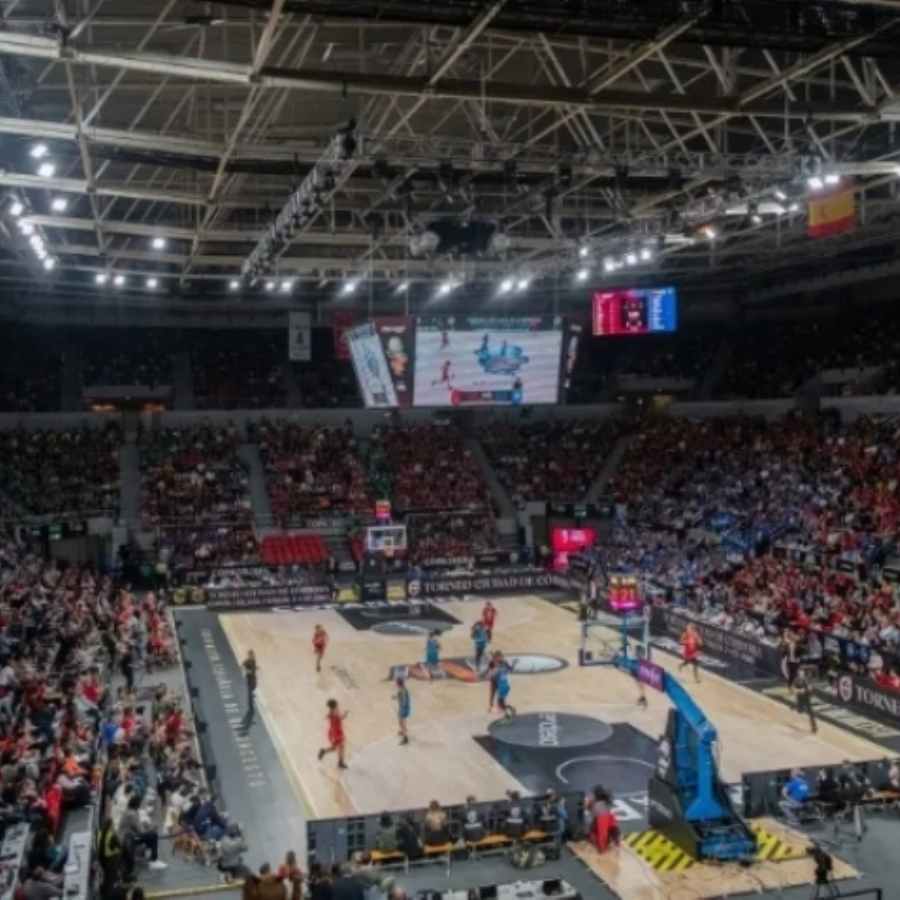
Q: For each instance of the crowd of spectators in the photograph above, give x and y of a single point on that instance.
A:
(31, 361)
(239, 368)
(450, 534)
(312, 472)
(127, 357)
(555, 460)
(62, 472)
(193, 476)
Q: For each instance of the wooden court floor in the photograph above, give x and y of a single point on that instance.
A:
(443, 761)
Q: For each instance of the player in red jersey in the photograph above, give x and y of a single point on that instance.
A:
(319, 642)
(690, 649)
(336, 737)
(445, 372)
(488, 618)
(445, 340)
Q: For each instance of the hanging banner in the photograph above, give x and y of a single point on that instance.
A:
(343, 322)
(832, 213)
(299, 337)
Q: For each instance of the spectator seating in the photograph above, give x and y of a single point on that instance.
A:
(62, 472)
(312, 472)
(293, 549)
(30, 369)
(239, 369)
(189, 545)
(548, 460)
(126, 357)
(193, 476)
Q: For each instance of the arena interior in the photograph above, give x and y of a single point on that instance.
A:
(449, 450)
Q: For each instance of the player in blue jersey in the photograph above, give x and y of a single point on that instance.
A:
(432, 654)
(403, 709)
(501, 678)
(479, 642)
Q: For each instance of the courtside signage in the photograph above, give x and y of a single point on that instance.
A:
(484, 584)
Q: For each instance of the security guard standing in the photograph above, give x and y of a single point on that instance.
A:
(109, 856)
(803, 698)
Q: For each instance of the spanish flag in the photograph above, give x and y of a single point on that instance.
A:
(832, 213)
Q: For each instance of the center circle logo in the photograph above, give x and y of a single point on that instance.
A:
(408, 628)
(845, 688)
(551, 731)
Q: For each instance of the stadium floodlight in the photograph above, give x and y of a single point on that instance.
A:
(780, 195)
(609, 265)
(152, 283)
(832, 178)
(101, 278)
(159, 243)
(794, 207)
(39, 151)
(445, 288)
(270, 285)
(46, 170)
(646, 254)
(584, 250)
(234, 284)
(582, 274)
(631, 258)
(756, 218)
(26, 228)
(815, 183)
(16, 209)
(350, 286)
(59, 204)
(403, 286)
(506, 285)
(119, 280)
(523, 284)
(287, 285)
(49, 263)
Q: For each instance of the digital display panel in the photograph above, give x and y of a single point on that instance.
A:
(624, 593)
(635, 311)
(371, 367)
(488, 361)
(564, 541)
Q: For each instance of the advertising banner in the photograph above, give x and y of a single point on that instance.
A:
(343, 322)
(479, 584)
(866, 696)
(396, 336)
(267, 595)
(736, 648)
(486, 560)
(564, 541)
(299, 337)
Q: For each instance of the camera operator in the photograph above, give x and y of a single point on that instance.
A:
(855, 787)
(231, 849)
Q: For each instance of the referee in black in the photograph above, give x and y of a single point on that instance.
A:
(251, 669)
(803, 697)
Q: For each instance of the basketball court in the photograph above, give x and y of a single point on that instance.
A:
(576, 727)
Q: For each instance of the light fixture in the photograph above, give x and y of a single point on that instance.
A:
(582, 275)
(101, 278)
(41, 253)
(506, 285)
(756, 218)
(16, 209)
(523, 284)
(287, 284)
(832, 178)
(159, 243)
(646, 254)
(794, 207)
(26, 228)
(119, 280)
(445, 288)
(152, 283)
(780, 194)
(583, 251)
(49, 263)
(815, 183)
(403, 286)
(59, 204)
(39, 151)
(609, 265)
(36, 241)
(234, 284)
(46, 170)
(270, 285)
(631, 258)
(349, 287)
(709, 232)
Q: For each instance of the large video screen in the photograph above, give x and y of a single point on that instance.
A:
(382, 352)
(635, 311)
(484, 361)
(564, 541)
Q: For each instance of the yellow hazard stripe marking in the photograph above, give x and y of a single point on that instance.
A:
(658, 851)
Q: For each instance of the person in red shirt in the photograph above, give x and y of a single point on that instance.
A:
(690, 649)
(319, 642)
(336, 737)
(488, 618)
